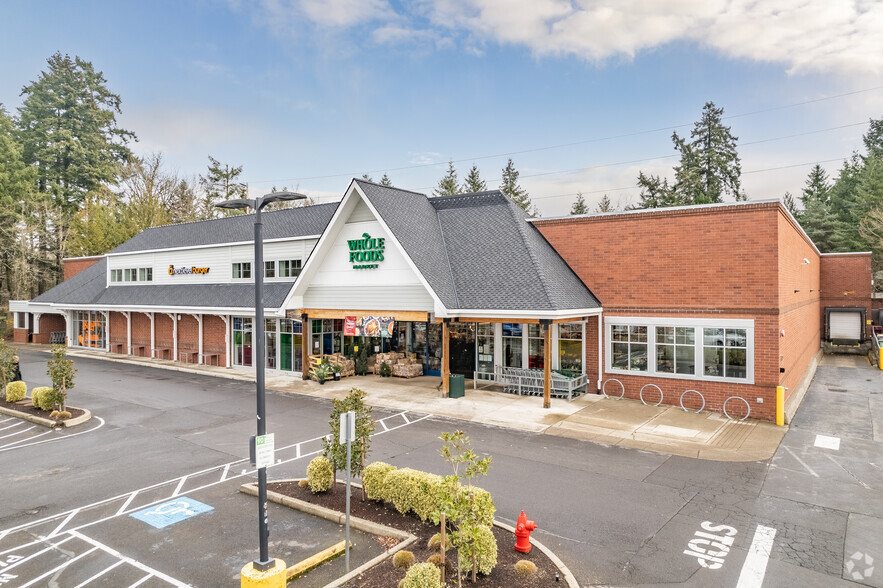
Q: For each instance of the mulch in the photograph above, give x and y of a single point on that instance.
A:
(26, 407)
(384, 575)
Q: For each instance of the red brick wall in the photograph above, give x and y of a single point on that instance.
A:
(20, 336)
(48, 324)
(163, 329)
(74, 266)
(705, 263)
(214, 337)
(188, 333)
(799, 330)
(118, 332)
(141, 333)
(846, 281)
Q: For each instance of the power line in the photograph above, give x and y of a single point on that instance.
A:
(587, 141)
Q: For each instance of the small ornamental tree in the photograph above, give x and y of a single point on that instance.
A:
(331, 446)
(7, 362)
(459, 504)
(61, 371)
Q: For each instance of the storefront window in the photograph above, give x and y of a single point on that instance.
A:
(676, 350)
(630, 348)
(90, 328)
(512, 344)
(485, 347)
(242, 330)
(290, 345)
(270, 345)
(535, 347)
(725, 352)
(327, 336)
(427, 346)
(570, 347)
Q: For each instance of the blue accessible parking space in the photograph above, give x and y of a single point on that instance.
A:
(173, 511)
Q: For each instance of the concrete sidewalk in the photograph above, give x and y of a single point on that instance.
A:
(624, 423)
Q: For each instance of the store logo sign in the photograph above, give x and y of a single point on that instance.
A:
(178, 271)
(367, 252)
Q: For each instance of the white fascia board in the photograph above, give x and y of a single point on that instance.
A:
(521, 314)
(239, 311)
(331, 231)
(850, 253)
(683, 321)
(210, 246)
(33, 307)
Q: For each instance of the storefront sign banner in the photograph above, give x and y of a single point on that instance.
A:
(375, 326)
(349, 326)
(367, 252)
(177, 271)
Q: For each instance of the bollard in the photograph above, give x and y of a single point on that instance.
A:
(780, 405)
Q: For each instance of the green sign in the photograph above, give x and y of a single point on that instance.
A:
(264, 448)
(367, 252)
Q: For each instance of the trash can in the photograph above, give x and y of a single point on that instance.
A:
(456, 386)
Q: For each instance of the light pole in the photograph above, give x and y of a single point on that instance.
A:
(264, 563)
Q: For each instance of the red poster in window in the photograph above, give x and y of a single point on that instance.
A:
(349, 326)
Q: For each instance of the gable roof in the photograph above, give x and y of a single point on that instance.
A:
(478, 252)
(301, 221)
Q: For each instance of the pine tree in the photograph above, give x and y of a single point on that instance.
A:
(70, 135)
(220, 184)
(817, 186)
(473, 182)
(790, 205)
(604, 205)
(448, 185)
(509, 186)
(710, 165)
(655, 192)
(385, 181)
(367, 178)
(579, 205)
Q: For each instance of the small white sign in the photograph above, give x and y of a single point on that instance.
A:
(264, 446)
(826, 442)
(347, 427)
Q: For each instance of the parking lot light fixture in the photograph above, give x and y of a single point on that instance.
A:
(264, 562)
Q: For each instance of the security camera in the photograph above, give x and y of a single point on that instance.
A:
(805, 261)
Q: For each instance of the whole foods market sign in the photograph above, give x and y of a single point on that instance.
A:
(367, 252)
(179, 271)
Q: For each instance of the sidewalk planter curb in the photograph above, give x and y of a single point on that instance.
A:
(376, 529)
(48, 422)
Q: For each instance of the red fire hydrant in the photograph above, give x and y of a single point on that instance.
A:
(522, 533)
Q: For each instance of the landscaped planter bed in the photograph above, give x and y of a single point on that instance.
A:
(25, 408)
(384, 575)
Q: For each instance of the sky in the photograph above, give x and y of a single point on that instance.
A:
(581, 94)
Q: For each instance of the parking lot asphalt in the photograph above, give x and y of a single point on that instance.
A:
(810, 516)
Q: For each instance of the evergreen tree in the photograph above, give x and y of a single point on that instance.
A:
(473, 182)
(655, 192)
(385, 181)
(509, 186)
(100, 225)
(790, 205)
(710, 166)
(70, 135)
(817, 186)
(220, 184)
(367, 178)
(604, 205)
(448, 185)
(579, 205)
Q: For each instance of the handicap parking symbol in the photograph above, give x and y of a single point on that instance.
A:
(171, 512)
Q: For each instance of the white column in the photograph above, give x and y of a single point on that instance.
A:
(227, 338)
(36, 330)
(525, 348)
(556, 361)
(600, 349)
(585, 343)
(69, 327)
(199, 322)
(174, 318)
(498, 343)
(106, 330)
(128, 316)
(152, 316)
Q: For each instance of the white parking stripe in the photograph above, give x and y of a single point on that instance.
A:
(127, 502)
(39, 553)
(13, 425)
(129, 560)
(141, 581)
(11, 443)
(179, 486)
(99, 574)
(754, 568)
(64, 522)
(18, 432)
(58, 438)
(58, 568)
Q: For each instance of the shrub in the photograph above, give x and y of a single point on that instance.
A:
(61, 371)
(479, 540)
(60, 415)
(302, 483)
(372, 478)
(412, 490)
(525, 568)
(385, 370)
(16, 391)
(484, 505)
(320, 474)
(436, 560)
(45, 398)
(435, 541)
(422, 575)
(403, 559)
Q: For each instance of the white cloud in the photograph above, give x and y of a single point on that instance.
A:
(424, 158)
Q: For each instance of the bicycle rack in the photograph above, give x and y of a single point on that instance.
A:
(641, 394)
(700, 396)
(748, 406)
(604, 389)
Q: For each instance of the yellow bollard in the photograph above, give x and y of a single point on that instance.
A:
(880, 353)
(780, 405)
(273, 578)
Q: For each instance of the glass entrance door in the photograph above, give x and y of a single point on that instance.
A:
(427, 346)
(462, 349)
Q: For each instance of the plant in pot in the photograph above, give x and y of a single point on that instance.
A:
(385, 370)
(361, 361)
(320, 373)
(336, 369)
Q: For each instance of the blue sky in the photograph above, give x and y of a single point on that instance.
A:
(583, 94)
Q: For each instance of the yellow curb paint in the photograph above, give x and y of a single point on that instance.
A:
(272, 578)
(780, 405)
(313, 561)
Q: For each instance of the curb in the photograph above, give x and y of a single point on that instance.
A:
(377, 529)
(48, 422)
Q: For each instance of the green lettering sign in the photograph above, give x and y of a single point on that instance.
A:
(367, 252)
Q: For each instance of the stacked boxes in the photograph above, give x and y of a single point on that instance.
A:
(403, 365)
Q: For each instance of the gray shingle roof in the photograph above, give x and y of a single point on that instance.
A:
(477, 251)
(278, 224)
(89, 288)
